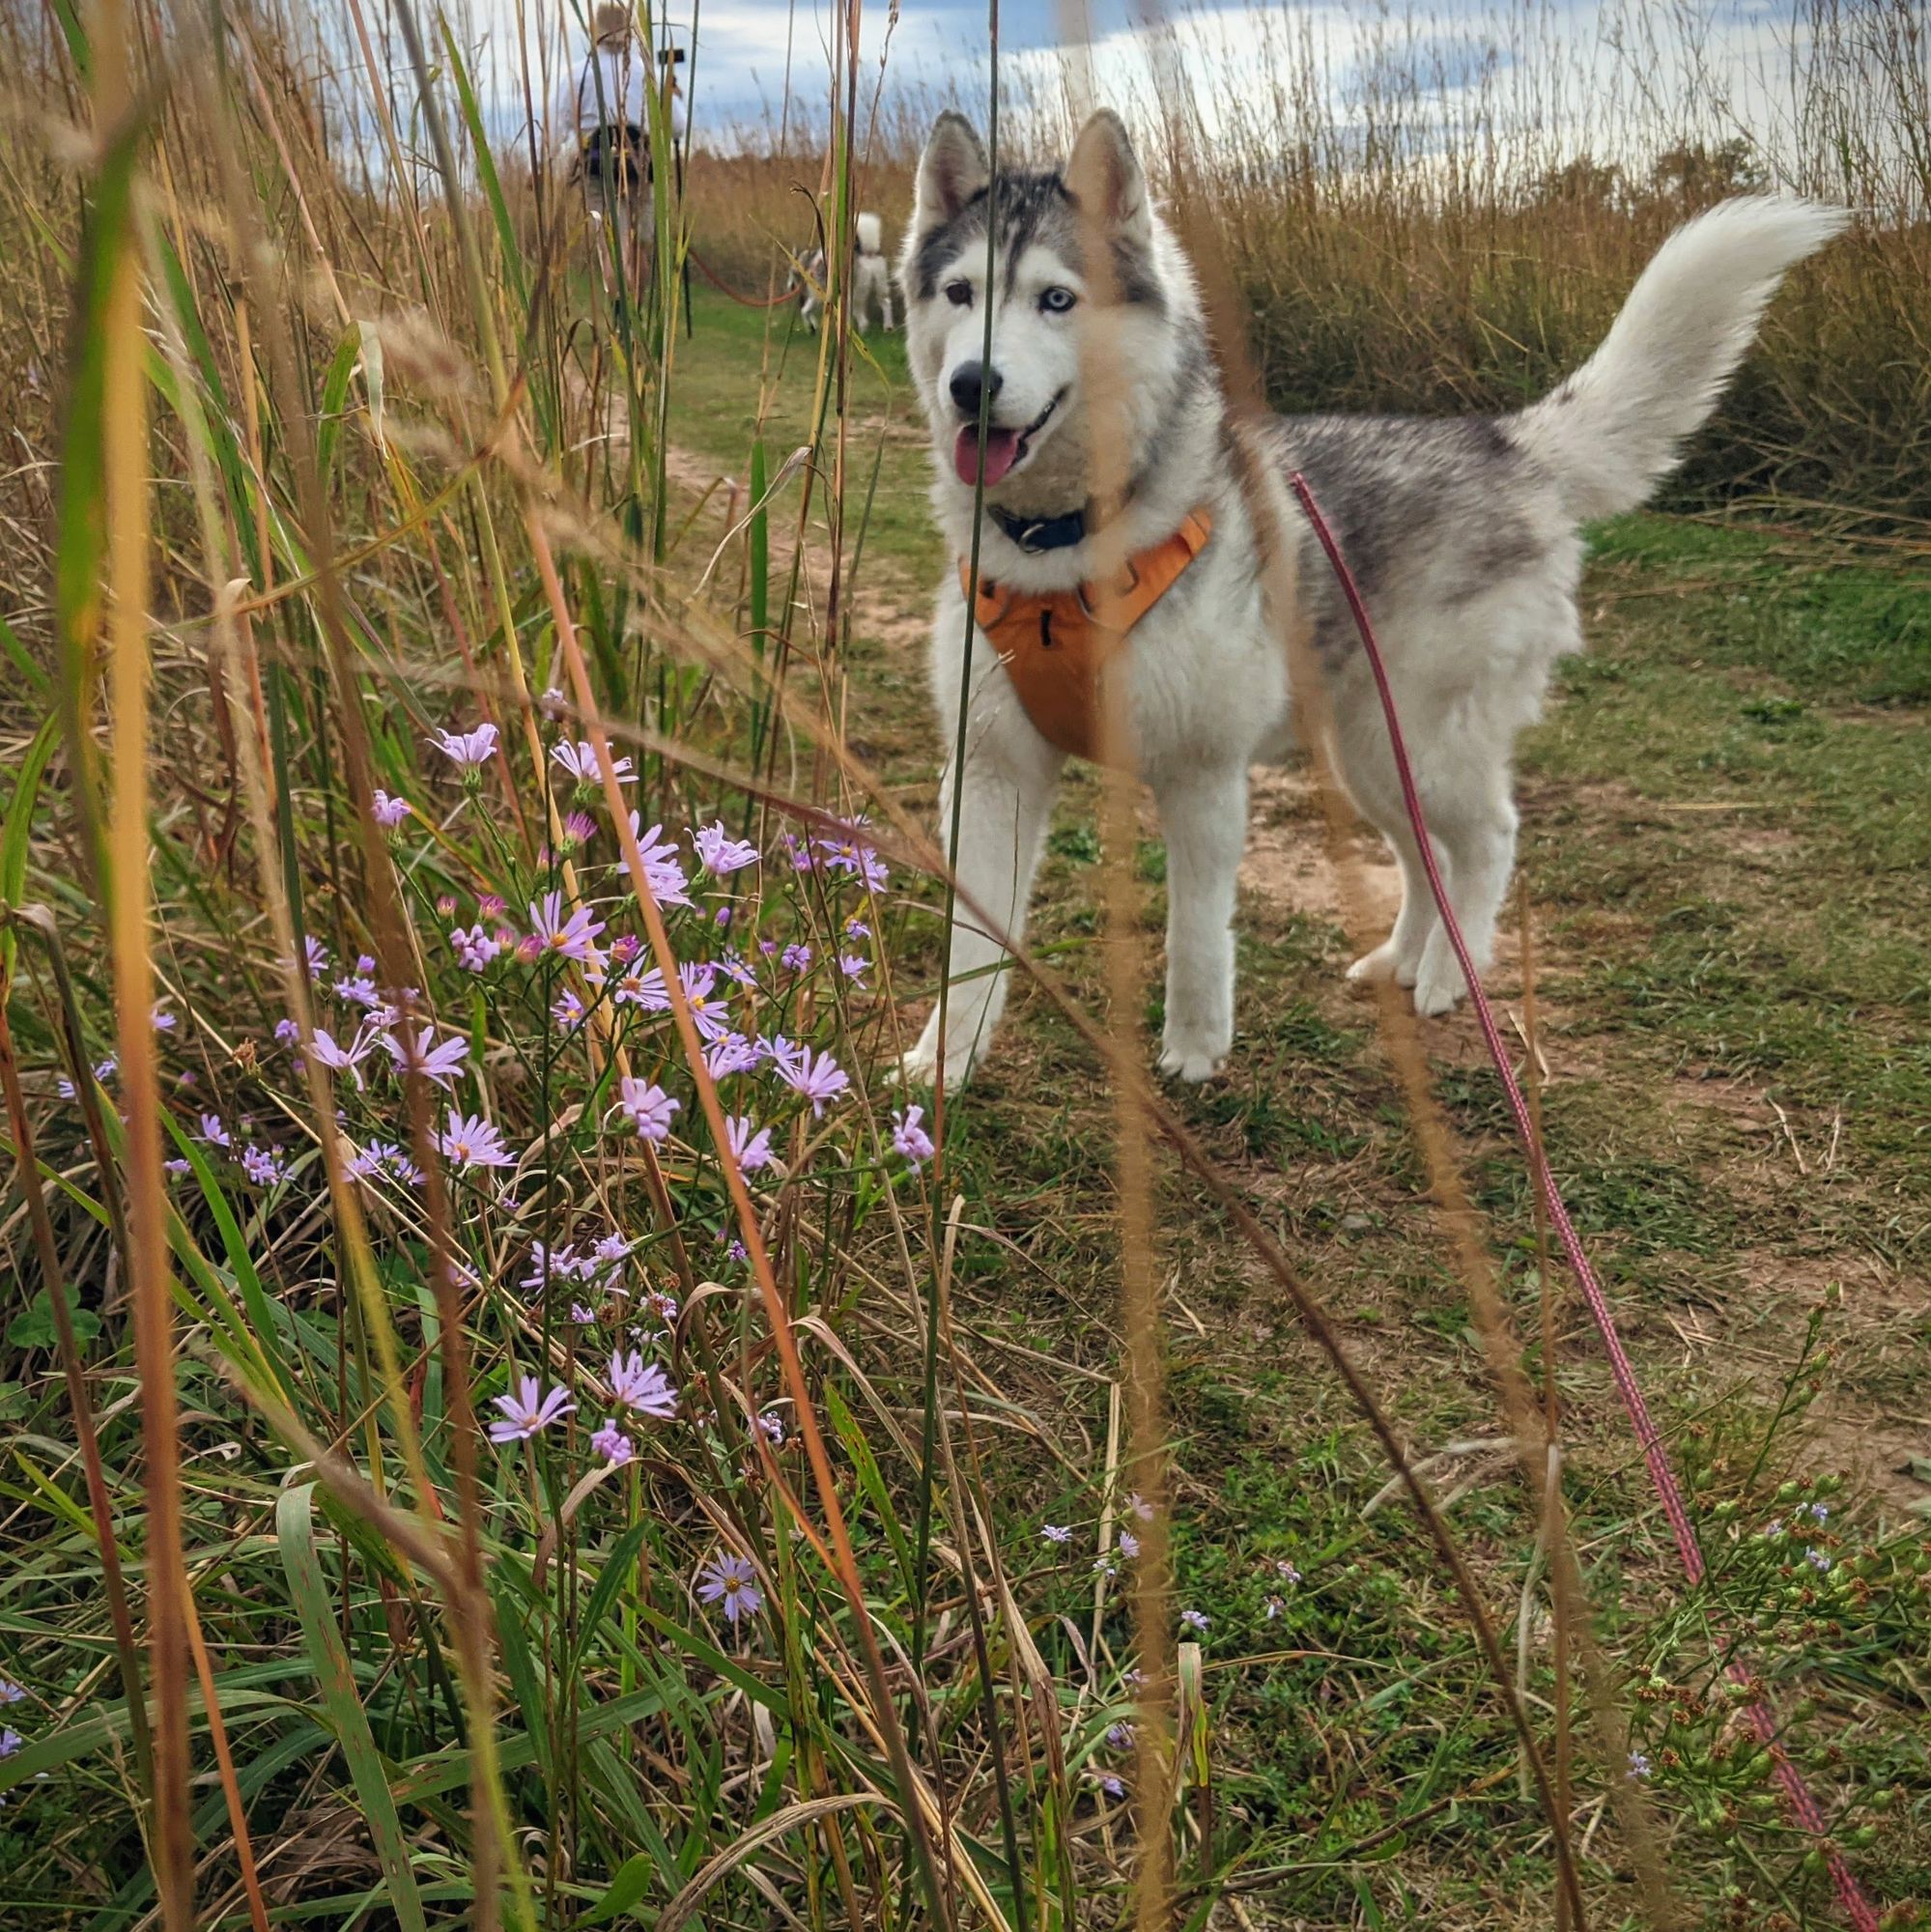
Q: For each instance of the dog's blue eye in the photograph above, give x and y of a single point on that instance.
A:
(1057, 300)
(958, 294)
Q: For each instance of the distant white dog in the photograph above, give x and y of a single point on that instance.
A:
(871, 279)
(1463, 533)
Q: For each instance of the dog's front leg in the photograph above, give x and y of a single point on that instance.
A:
(1002, 818)
(1203, 814)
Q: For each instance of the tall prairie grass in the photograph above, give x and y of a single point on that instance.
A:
(493, 1437)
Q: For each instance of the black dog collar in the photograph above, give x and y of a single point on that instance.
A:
(1037, 534)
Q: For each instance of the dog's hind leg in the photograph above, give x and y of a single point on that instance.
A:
(1480, 856)
(1204, 816)
(1002, 819)
(1398, 957)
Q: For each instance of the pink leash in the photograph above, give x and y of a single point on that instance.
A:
(1797, 1794)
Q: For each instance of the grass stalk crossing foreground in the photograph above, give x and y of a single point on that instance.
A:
(510, 1419)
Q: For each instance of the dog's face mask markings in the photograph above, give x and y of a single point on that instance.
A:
(1044, 301)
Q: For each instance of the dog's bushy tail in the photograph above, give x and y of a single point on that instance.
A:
(870, 234)
(1613, 430)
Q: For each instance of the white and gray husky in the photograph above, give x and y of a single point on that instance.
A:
(1461, 532)
(871, 278)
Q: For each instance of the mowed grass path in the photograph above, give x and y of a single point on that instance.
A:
(1727, 850)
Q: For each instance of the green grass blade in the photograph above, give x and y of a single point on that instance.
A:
(294, 1530)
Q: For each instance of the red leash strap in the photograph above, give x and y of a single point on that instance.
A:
(1797, 1794)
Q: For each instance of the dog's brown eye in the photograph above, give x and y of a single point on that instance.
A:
(959, 294)
(1057, 300)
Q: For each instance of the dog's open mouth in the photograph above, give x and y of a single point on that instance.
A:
(1003, 450)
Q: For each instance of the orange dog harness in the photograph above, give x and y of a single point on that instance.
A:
(1054, 644)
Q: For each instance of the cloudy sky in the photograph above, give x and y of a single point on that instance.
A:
(1574, 73)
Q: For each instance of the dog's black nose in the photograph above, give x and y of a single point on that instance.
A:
(975, 384)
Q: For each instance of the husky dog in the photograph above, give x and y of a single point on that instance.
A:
(1462, 534)
(871, 279)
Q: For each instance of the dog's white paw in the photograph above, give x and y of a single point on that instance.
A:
(1438, 986)
(1372, 967)
(919, 1064)
(1192, 1057)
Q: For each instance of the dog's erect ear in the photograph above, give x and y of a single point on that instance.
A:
(1105, 176)
(951, 170)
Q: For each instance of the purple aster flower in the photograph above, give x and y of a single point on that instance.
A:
(660, 871)
(613, 1444)
(1129, 1545)
(909, 1137)
(572, 938)
(579, 829)
(1639, 1765)
(720, 853)
(1138, 1505)
(470, 1141)
(1286, 1571)
(643, 1387)
(466, 749)
(177, 1165)
(567, 1010)
(164, 1021)
(357, 992)
(1195, 1620)
(1111, 1784)
(65, 1086)
(440, 1060)
(642, 988)
(317, 955)
(612, 1248)
(548, 1264)
(729, 1053)
(773, 1426)
(105, 1069)
(11, 1741)
(579, 760)
(390, 813)
(1118, 1737)
(338, 1059)
(1817, 1560)
(288, 1032)
(213, 1132)
(528, 1411)
(647, 1107)
(853, 966)
(700, 979)
(1819, 1512)
(796, 958)
(848, 853)
(730, 1582)
(736, 971)
(749, 1142)
(10, 1692)
(263, 1165)
(474, 946)
(820, 1079)
(856, 928)
(625, 947)
(1057, 1533)
(584, 1318)
(552, 703)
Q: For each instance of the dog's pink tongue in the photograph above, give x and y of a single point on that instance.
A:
(996, 455)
